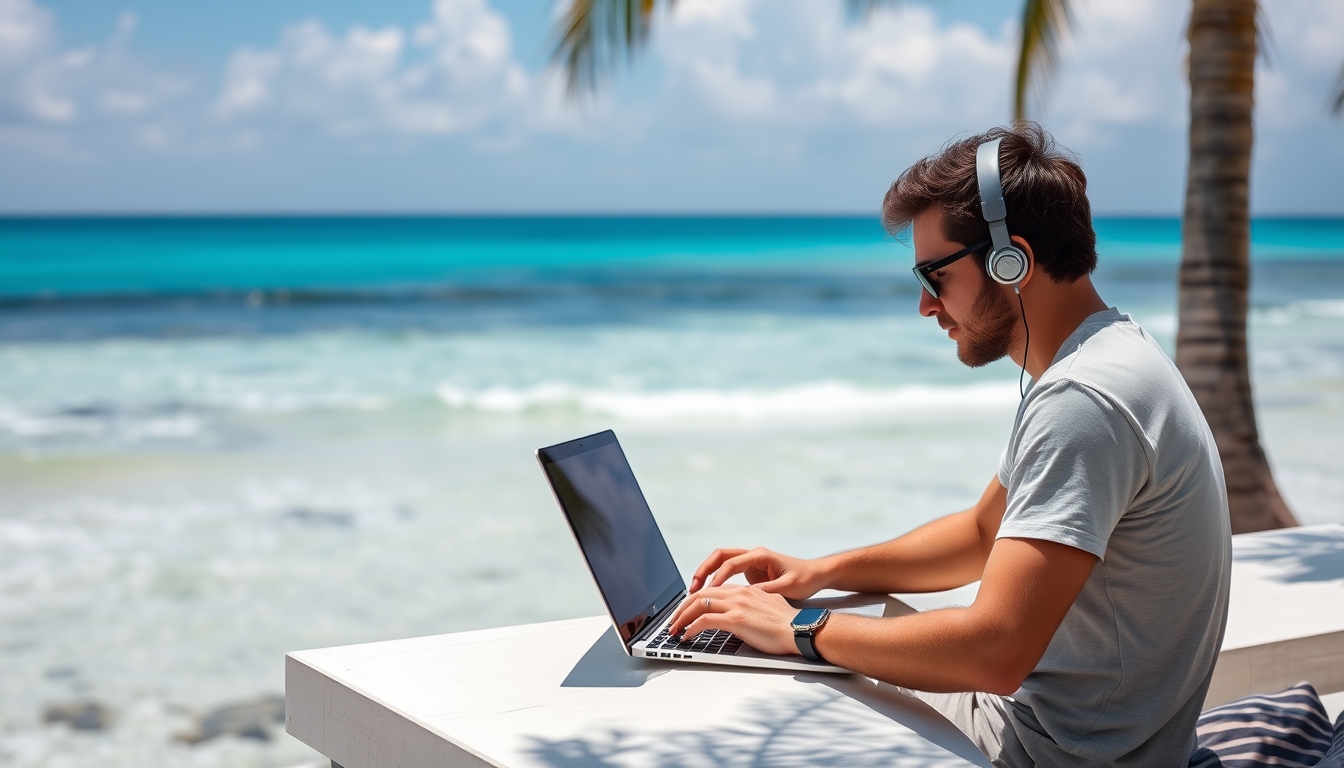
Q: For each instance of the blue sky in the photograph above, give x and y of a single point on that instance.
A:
(738, 105)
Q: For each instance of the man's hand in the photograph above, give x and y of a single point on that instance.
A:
(792, 577)
(759, 618)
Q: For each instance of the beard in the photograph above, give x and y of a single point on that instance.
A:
(989, 333)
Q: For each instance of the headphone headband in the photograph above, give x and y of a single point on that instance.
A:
(1006, 262)
(992, 206)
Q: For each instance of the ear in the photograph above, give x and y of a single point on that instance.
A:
(1031, 260)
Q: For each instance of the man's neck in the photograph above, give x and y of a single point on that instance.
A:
(1054, 311)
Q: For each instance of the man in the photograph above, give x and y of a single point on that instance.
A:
(1102, 546)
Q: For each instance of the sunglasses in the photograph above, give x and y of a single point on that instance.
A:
(924, 272)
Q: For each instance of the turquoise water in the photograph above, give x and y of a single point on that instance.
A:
(73, 257)
(222, 439)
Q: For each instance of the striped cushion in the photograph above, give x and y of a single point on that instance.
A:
(1289, 728)
(1334, 757)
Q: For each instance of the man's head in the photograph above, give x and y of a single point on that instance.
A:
(1049, 217)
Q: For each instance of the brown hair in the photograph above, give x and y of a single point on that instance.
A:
(1043, 186)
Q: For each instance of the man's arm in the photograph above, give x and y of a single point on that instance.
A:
(946, 553)
(992, 645)
(1028, 586)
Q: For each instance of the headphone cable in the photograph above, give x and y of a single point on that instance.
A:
(1020, 389)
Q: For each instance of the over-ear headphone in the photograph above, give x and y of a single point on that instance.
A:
(1006, 263)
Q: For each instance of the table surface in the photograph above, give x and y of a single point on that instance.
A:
(565, 694)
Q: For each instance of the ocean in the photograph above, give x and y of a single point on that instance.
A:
(222, 439)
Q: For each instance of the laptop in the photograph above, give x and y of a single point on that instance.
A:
(633, 568)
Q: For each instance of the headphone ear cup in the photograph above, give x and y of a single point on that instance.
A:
(1007, 265)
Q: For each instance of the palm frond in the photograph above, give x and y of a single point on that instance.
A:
(1044, 22)
(1337, 104)
(861, 10)
(1265, 46)
(594, 36)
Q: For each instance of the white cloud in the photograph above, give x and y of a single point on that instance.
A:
(30, 69)
(26, 30)
(1125, 66)
(792, 63)
(1121, 67)
(701, 48)
(45, 85)
(908, 69)
(455, 73)
(1306, 50)
(734, 100)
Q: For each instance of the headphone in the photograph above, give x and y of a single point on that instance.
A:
(1006, 263)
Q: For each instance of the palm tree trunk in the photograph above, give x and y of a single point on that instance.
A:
(1215, 260)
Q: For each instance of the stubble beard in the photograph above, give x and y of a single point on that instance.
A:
(989, 332)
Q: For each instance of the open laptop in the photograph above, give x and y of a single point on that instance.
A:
(632, 566)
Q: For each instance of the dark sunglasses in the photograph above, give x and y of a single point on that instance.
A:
(924, 272)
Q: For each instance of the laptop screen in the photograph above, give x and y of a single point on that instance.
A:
(615, 529)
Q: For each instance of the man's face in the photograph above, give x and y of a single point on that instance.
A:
(971, 307)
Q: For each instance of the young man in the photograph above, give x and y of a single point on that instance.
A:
(1102, 546)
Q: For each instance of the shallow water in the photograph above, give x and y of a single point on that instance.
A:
(198, 477)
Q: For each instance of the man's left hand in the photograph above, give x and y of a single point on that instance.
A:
(760, 618)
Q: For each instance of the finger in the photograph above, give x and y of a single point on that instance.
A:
(678, 614)
(689, 611)
(694, 607)
(708, 621)
(711, 564)
(776, 586)
(734, 566)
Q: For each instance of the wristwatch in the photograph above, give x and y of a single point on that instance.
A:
(805, 626)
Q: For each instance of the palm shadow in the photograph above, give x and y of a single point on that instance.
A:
(844, 721)
(840, 727)
(1300, 555)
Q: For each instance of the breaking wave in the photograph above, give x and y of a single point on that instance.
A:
(826, 398)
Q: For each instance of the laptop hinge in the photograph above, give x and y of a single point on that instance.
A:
(657, 621)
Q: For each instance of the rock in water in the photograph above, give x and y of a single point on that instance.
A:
(247, 720)
(80, 715)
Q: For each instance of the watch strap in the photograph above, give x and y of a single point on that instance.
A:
(806, 648)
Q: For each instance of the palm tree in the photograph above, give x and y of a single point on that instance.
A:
(1215, 235)
(1215, 254)
(593, 35)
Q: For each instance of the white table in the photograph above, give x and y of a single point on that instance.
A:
(564, 694)
(1286, 620)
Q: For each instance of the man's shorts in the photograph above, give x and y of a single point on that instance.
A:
(983, 717)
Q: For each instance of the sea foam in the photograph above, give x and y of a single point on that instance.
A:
(824, 398)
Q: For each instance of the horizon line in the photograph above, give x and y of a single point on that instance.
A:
(520, 214)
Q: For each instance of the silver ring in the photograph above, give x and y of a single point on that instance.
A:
(708, 601)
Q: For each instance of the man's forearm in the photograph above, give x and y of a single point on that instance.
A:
(992, 645)
(947, 553)
(940, 651)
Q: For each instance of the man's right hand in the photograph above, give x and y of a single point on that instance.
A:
(792, 577)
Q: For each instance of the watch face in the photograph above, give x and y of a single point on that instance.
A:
(808, 616)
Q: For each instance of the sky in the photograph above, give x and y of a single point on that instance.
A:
(332, 106)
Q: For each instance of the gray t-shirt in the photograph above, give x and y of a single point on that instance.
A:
(1111, 454)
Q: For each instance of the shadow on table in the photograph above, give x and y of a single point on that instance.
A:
(835, 720)
(607, 665)
(1301, 555)
(839, 727)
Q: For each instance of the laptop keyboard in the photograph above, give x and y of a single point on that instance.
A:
(711, 641)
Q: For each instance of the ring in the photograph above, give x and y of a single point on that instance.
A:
(708, 600)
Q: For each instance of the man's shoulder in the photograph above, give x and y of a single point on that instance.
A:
(1116, 358)
(1127, 378)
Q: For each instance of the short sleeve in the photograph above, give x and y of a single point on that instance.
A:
(1074, 466)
